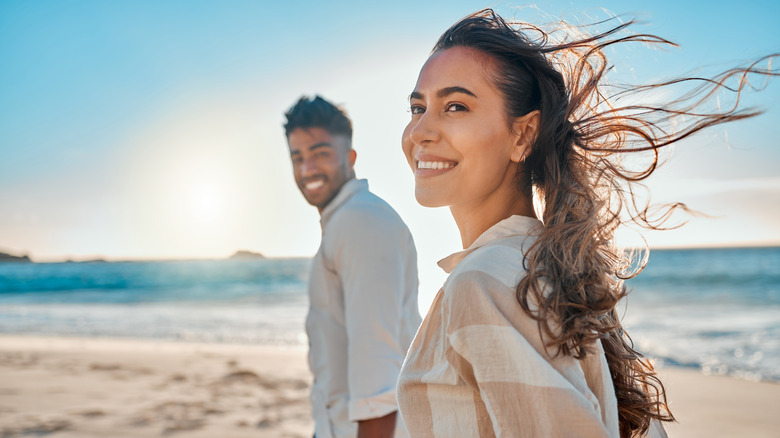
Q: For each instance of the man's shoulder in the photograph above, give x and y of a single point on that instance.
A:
(365, 220)
(366, 209)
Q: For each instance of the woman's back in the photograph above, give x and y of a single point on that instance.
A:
(484, 369)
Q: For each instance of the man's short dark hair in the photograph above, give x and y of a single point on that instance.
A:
(318, 113)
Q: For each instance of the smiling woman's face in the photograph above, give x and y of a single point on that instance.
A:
(458, 142)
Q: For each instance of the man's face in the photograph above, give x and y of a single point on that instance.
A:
(322, 163)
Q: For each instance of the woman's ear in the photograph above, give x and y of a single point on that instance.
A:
(525, 129)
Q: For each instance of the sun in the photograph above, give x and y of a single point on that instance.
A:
(206, 202)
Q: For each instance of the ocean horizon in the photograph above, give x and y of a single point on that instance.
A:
(713, 309)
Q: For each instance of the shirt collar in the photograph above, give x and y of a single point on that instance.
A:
(349, 189)
(511, 226)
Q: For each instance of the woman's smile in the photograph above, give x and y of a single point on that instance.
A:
(427, 165)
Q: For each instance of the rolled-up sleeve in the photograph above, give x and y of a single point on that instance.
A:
(370, 259)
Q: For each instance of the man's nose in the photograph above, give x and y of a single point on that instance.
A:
(308, 167)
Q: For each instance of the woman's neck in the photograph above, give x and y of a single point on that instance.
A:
(475, 219)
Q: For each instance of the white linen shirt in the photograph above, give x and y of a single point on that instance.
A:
(363, 311)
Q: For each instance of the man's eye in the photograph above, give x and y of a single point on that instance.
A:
(416, 109)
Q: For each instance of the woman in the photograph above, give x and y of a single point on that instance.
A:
(523, 339)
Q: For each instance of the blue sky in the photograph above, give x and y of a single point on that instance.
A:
(152, 129)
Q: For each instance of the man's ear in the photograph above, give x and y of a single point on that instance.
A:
(525, 129)
(351, 157)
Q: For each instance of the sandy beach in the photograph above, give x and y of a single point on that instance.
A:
(83, 387)
(74, 387)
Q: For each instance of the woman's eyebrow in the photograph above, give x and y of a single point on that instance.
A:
(444, 92)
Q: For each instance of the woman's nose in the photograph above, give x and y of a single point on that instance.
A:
(425, 130)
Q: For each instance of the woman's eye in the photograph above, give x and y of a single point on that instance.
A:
(453, 107)
(416, 109)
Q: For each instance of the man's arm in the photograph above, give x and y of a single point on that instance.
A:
(370, 258)
(382, 427)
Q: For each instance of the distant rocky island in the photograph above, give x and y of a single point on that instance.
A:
(4, 257)
(246, 255)
(9, 258)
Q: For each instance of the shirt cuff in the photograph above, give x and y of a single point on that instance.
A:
(375, 406)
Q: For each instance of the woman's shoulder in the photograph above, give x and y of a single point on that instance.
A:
(502, 261)
(482, 291)
(485, 282)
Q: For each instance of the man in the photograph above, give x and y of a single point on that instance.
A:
(363, 285)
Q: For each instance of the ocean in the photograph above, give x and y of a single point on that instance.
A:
(716, 310)
(232, 301)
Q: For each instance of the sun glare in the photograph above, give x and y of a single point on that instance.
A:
(206, 202)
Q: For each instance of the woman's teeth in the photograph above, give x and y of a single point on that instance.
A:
(435, 164)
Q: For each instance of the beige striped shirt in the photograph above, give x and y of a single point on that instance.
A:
(478, 367)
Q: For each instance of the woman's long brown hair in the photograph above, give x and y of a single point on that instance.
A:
(576, 273)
